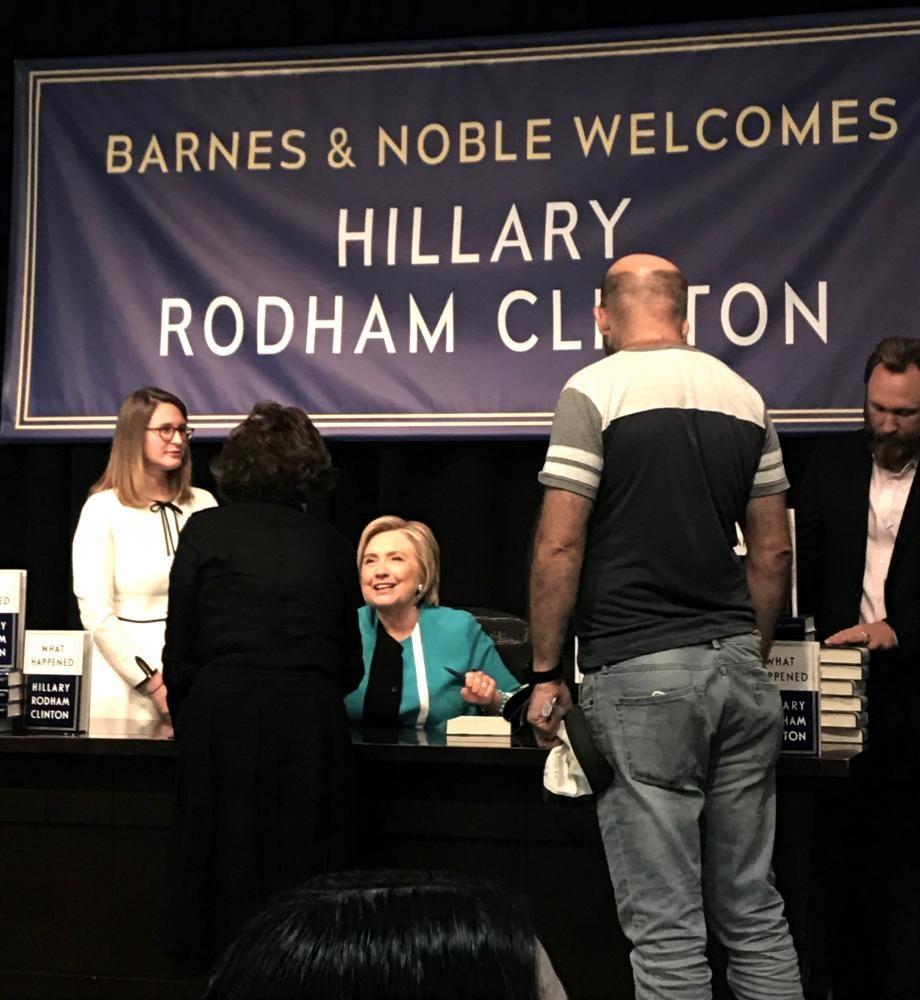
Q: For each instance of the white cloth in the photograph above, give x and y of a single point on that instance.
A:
(888, 493)
(562, 774)
(121, 561)
(548, 985)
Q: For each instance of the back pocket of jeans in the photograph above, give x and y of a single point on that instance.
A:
(767, 729)
(662, 735)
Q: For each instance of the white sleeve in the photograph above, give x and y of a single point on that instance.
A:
(203, 499)
(94, 585)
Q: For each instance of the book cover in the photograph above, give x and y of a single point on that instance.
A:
(11, 711)
(837, 703)
(793, 667)
(844, 654)
(844, 720)
(10, 679)
(845, 689)
(835, 735)
(844, 671)
(57, 665)
(12, 617)
(478, 725)
(9, 696)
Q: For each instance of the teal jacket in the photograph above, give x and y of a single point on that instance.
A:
(447, 638)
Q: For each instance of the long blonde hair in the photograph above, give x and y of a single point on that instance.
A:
(423, 542)
(125, 470)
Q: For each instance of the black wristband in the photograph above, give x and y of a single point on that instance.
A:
(532, 676)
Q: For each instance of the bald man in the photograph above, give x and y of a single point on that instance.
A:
(656, 452)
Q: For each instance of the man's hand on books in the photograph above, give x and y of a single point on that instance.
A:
(872, 635)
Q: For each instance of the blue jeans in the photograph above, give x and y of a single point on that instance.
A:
(687, 825)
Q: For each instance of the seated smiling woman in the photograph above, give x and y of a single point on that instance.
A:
(423, 664)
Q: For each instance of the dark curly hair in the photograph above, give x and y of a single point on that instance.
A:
(275, 454)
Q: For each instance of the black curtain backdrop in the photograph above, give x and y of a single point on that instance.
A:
(480, 498)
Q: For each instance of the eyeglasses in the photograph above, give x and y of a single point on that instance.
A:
(168, 431)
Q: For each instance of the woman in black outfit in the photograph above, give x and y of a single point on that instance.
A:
(261, 645)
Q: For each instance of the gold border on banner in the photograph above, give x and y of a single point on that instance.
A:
(377, 63)
(421, 421)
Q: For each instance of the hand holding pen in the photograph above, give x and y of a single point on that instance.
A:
(478, 688)
(548, 705)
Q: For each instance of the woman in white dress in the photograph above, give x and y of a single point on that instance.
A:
(123, 549)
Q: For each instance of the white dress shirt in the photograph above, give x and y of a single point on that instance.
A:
(888, 493)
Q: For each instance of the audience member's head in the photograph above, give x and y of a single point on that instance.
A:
(275, 455)
(643, 300)
(892, 403)
(151, 433)
(386, 935)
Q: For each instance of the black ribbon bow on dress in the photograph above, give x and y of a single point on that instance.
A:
(160, 507)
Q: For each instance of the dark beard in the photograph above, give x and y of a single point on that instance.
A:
(892, 451)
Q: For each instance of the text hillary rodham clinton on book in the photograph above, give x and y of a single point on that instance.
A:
(12, 625)
(793, 667)
(56, 665)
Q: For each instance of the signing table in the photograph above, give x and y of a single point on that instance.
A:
(84, 827)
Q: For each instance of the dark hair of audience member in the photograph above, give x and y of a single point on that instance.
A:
(895, 354)
(383, 935)
(276, 455)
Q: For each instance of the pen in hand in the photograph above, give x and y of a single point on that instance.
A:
(148, 671)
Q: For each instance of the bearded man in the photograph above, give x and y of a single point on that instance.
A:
(858, 517)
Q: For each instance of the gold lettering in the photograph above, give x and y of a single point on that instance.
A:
(118, 154)
(433, 128)
(500, 155)
(256, 149)
(888, 102)
(472, 134)
(288, 144)
(534, 138)
(384, 142)
(669, 145)
(597, 131)
(812, 124)
(153, 154)
(753, 110)
(231, 155)
(636, 133)
(839, 121)
(186, 148)
(701, 121)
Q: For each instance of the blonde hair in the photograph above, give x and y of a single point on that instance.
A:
(125, 470)
(424, 544)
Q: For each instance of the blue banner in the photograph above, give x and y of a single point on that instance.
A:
(409, 243)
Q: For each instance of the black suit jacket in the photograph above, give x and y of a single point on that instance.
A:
(831, 524)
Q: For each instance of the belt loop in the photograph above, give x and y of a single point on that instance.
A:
(716, 644)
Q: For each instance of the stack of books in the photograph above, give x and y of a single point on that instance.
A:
(12, 626)
(11, 689)
(844, 713)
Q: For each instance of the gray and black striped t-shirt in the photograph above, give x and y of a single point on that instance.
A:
(670, 444)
